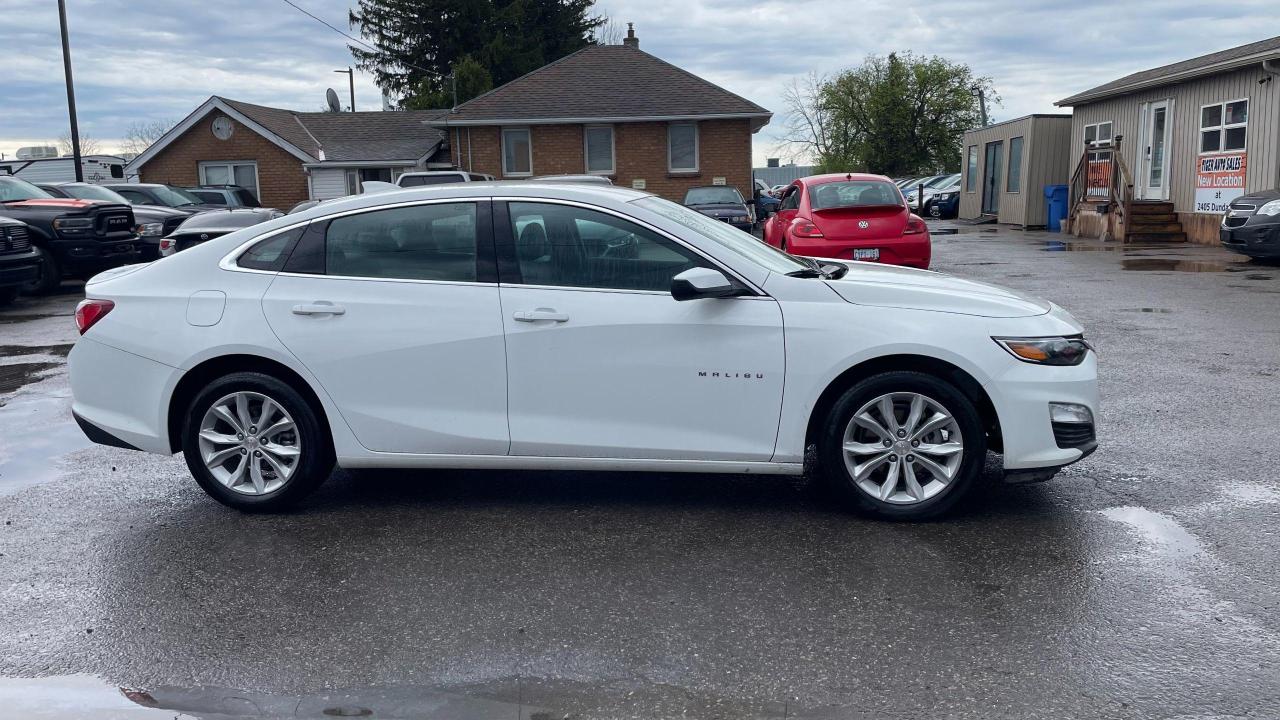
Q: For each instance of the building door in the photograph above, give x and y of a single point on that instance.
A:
(1153, 180)
(991, 178)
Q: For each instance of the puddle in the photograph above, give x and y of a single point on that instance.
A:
(15, 376)
(1147, 310)
(1146, 264)
(1257, 276)
(1160, 530)
(36, 430)
(1068, 246)
(1252, 494)
(20, 350)
(28, 317)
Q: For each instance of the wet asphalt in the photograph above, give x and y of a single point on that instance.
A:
(1140, 583)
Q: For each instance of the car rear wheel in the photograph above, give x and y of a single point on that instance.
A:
(254, 443)
(902, 446)
(50, 277)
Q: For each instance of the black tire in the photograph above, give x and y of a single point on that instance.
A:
(831, 455)
(50, 278)
(315, 460)
(8, 294)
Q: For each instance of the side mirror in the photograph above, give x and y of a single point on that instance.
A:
(697, 283)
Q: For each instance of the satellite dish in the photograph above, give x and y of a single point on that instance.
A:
(331, 97)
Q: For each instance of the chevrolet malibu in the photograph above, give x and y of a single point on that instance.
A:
(570, 327)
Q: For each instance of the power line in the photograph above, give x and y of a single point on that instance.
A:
(354, 39)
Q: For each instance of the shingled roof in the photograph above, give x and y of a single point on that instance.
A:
(329, 137)
(1221, 61)
(604, 83)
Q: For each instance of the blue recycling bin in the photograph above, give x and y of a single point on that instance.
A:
(1056, 197)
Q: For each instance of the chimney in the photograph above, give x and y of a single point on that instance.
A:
(631, 40)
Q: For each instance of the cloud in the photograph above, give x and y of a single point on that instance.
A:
(158, 59)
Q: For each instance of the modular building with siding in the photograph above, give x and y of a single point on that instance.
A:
(1007, 166)
(1190, 136)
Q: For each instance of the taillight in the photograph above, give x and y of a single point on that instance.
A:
(166, 243)
(806, 229)
(915, 226)
(89, 312)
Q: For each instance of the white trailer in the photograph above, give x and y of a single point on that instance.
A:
(97, 169)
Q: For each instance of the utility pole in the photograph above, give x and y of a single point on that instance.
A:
(982, 101)
(351, 82)
(71, 91)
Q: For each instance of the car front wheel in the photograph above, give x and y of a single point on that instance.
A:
(903, 446)
(50, 274)
(254, 443)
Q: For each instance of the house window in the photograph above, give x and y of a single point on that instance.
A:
(1223, 126)
(971, 169)
(517, 152)
(1013, 183)
(1098, 176)
(356, 178)
(598, 150)
(1098, 134)
(682, 147)
(244, 174)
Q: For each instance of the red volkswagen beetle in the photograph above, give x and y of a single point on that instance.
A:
(849, 217)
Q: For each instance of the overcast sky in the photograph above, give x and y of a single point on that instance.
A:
(158, 59)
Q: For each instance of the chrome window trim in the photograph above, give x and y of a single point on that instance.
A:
(636, 221)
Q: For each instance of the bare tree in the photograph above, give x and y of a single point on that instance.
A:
(140, 135)
(88, 146)
(807, 130)
(610, 33)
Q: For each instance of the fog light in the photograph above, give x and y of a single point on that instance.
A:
(1069, 413)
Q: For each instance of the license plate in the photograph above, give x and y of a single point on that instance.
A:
(866, 254)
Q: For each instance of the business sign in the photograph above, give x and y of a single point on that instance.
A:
(1219, 180)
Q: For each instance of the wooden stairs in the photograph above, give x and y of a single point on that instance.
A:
(1149, 221)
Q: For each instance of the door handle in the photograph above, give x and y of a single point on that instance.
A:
(319, 308)
(539, 314)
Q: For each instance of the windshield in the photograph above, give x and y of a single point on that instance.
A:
(744, 244)
(853, 193)
(175, 197)
(717, 195)
(93, 192)
(12, 188)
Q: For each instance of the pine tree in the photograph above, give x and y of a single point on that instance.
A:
(419, 42)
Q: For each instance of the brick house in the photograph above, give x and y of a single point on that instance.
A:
(611, 110)
(285, 156)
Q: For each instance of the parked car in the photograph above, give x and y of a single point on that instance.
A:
(19, 261)
(851, 217)
(776, 190)
(930, 185)
(763, 201)
(1251, 225)
(225, 195)
(160, 194)
(723, 203)
(205, 226)
(315, 346)
(154, 221)
(439, 177)
(946, 204)
(74, 238)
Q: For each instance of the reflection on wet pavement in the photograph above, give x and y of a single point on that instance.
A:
(18, 375)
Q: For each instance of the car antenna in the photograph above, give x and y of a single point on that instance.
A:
(848, 176)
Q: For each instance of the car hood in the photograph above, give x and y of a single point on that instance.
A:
(1258, 198)
(897, 287)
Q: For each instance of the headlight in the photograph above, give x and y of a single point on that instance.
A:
(1046, 350)
(1271, 208)
(151, 229)
(947, 196)
(72, 225)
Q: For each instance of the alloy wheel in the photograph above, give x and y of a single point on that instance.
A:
(903, 448)
(249, 443)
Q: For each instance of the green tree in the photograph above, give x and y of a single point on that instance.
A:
(420, 42)
(471, 77)
(896, 115)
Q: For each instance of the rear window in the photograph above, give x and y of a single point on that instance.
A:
(717, 195)
(246, 198)
(209, 197)
(853, 193)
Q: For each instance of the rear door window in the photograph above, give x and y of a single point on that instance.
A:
(421, 242)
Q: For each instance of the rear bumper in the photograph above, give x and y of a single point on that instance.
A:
(1256, 241)
(119, 398)
(911, 251)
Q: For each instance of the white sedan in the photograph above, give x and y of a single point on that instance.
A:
(570, 327)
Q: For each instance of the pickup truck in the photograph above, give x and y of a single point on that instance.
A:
(74, 238)
(19, 261)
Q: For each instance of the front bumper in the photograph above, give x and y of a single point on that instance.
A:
(1021, 395)
(19, 268)
(86, 256)
(1253, 240)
